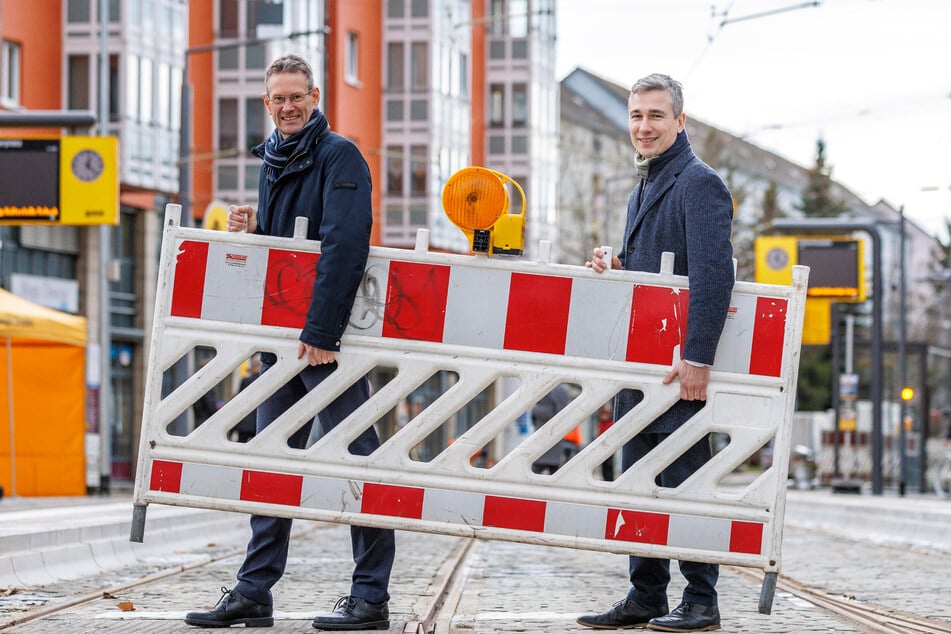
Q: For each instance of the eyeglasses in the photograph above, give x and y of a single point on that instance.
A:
(280, 100)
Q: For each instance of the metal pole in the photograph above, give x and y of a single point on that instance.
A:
(903, 404)
(836, 392)
(825, 225)
(105, 244)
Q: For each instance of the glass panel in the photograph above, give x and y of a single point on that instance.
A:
(519, 49)
(255, 122)
(394, 110)
(395, 67)
(163, 96)
(419, 110)
(228, 18)
(227, 124)
(394, 170)
(497, 105)
(419, 164)
(132, 87)
(519, 144)
(518, 18)
(266, 14)
(353, 59)
(78, 11)
(417, 216)
(395, 8)
(419, 66)
(256, 56)
(145, 90)
(519, 104)
(78, 78)
(394, 217)
(228, 59)
(251, 174)
(420, 8)
(227, 177)
(497, 18)
(497, 49)
(496, 145)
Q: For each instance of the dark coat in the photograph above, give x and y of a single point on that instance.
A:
(688, 211)
(326, 181)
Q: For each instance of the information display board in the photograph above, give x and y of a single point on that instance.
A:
(69, 180)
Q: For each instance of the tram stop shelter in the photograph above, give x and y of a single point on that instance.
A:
(42, 399)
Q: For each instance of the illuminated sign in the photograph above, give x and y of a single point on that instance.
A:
(68, 180)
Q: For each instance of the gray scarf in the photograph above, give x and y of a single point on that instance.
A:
(641, 165)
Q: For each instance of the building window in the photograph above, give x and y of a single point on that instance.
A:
(519, 104)
(256, 121)
(353, 58)
(395, 8)
(420, 8)
(419, 110)
(497, 18)
(518, 18)
(227, 177)
(77, 11)
(496, 145)
(228, 11)
(78, 78)
(269, 15)
(419, 66)
(519, 144)
(395, 68)
(497, 49)
(497, 105)
(394, 170)
(419, 168)
(227, 124)
(520, 49)
(10, 73)
(394, 110)
(463, 75)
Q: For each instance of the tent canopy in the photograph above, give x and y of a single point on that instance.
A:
(22, 319)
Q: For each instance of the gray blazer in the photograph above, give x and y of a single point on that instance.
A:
(688, 211)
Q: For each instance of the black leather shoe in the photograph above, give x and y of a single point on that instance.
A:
(233, 609)
(625, 615)
(688, 617)
(354, 613)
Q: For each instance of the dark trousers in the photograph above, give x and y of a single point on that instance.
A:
(650, 576)
(373, 548)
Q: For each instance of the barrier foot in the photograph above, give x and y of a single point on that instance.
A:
(766, 593)
(138, 523)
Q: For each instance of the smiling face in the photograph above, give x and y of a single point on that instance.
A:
(289, 111)
(652, 123)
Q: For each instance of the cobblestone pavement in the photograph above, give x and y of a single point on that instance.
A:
(509, 587)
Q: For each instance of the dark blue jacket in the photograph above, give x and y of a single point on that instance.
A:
(687, 210)
(326, 181)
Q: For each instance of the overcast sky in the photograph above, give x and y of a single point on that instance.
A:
(871, 77)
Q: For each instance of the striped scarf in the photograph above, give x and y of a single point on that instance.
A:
(278, 150)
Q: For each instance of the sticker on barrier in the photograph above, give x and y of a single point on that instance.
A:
(458, 348)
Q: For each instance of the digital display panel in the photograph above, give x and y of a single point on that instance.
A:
(29, 179)
(834, 267)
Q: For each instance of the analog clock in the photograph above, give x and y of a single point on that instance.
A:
(87, 165)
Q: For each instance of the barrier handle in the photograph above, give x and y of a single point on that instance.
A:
(608, 256)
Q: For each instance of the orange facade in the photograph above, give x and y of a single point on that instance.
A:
(41, 56)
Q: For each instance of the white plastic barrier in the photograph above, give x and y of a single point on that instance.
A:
(483, 319)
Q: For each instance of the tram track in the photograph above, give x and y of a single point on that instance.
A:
(439, 605)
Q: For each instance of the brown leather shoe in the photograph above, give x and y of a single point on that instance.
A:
(688, 617)
(626, 614)
(233, 608)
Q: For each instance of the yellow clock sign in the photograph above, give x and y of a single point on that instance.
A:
(69, 180)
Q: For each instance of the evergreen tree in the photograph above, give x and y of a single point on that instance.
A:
(817, 199)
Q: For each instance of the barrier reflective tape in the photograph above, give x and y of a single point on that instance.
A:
(488, 308)
(456, 507)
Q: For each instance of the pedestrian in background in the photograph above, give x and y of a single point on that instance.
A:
(312, 172)
(680, 205)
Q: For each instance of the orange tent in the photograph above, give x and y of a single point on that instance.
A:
(42, 399)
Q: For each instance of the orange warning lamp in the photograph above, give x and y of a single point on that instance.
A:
(475, 200)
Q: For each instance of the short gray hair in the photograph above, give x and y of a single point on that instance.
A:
(657, 81)
(291, 64)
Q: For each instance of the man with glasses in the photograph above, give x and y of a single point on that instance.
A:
(312, 172)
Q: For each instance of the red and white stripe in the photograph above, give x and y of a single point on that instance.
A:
(477, 306)
(458, 507)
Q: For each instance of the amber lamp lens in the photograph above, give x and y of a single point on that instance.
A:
(474, 198)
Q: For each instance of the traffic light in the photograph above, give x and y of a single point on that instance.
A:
(907, 393)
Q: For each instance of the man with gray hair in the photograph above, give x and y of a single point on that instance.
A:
(680, 205)
(309, 171)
